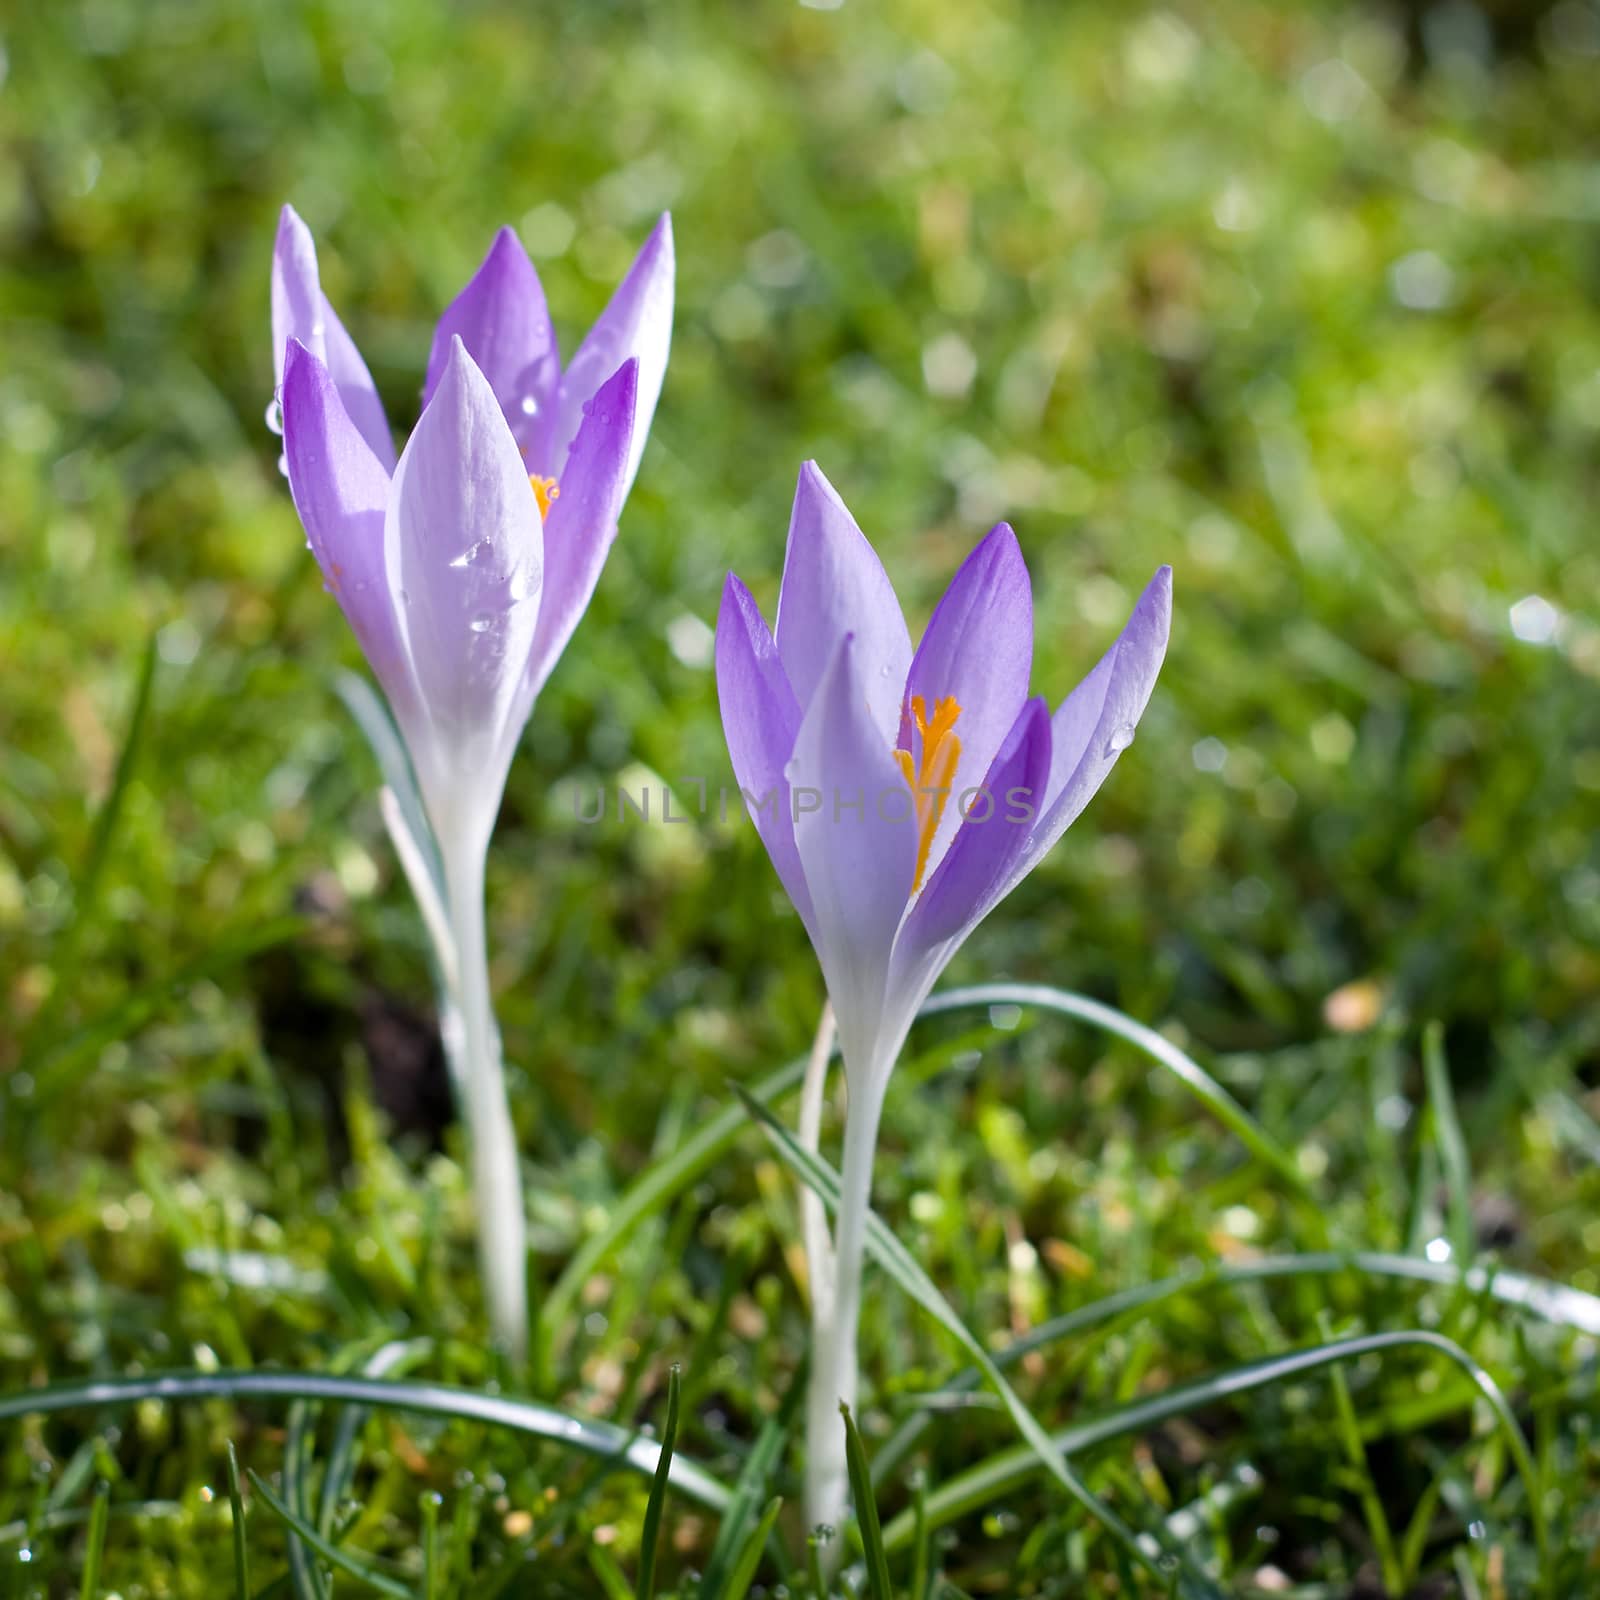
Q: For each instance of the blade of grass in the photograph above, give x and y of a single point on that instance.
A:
(866, 1506)
(90, 1586)
(612, 1579)
(1001, 1473)
(904, 1270)
(1551, 1302)
(333, 1554)
(650, 1543)
(1163, 1051)
(241, 1561)
(602, 1439)
(1452, 1147)
(305, 1576)
(749, 1562)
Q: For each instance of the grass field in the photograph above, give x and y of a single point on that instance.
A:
(1304, 299)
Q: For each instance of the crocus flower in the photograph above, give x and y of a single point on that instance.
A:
(463, 569)
(901, 795)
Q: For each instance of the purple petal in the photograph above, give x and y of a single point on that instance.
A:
(341, 492)
(637, 323)
(760, 718)
(978, 647)
(300, 310)
(1096, 722)
(502, 319)
(464, 553)
(977, 868)
(583, 520)
(834, 584)
(858, 848)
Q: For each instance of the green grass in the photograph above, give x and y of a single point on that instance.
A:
(1154, 286)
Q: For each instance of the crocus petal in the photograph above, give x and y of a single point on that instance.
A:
(978, 647)
(760, 718)
(637, 323)
(834, 584)
(300, 310)
(1096, 722)
(583, 520)
(341, 491)
(858, 848)
(464, 554)
(996, 833)
(502, 319)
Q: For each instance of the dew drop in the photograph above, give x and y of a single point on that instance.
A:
(481, 623)
(528, 406)
(1476, 1530)
(275, 415)
(473, 553)
(1119, 738)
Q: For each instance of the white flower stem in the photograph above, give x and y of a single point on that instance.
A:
(835, 1323)
(496, 1174)
(813, 1214)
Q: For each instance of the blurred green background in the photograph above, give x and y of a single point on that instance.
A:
(1304, 299)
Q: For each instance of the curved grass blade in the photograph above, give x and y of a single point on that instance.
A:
(327, 1549)
(1163, 1051)
(602, 1439)
(1555, 1303)
(1001, 1473)
(903, 1268)
(745, 1568)
(866, 1505)
(650, 1541)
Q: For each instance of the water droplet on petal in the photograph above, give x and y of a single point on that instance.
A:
(528, 406)
(481, 623)
(275, 415)
(1119, 739)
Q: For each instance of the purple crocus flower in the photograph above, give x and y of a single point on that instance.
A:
(463, 568)
(901, 796)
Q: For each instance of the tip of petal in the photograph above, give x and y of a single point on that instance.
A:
(292, 230)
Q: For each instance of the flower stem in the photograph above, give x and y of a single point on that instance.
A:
(813, 1215)
(835, 1324)
(496, 1174)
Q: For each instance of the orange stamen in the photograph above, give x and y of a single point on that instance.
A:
(545, 490)
(932, 777)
